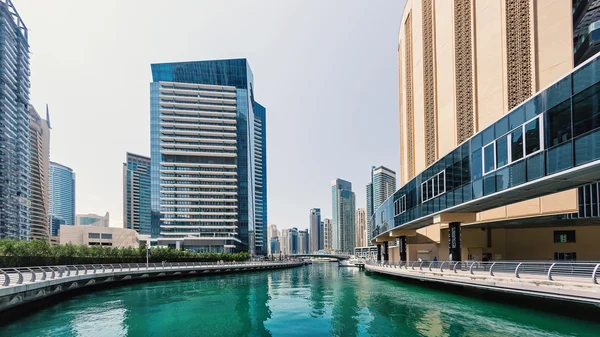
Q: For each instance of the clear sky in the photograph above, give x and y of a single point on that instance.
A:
(325, 70)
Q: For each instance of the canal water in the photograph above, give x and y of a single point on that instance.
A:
(317, 300)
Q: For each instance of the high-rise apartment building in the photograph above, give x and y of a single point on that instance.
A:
(361, 227)
(272, 232)
(292, 240)
(382, 185)
(207, 137)
(490, 132)
(317, 240)
(14, 125)
(275, 247)
(39, 159)
(284, 242)
(92, 220)
(260, 166)
(327, 234)
(62, 197)
(137, 213)
(343, 225)
(303, 242)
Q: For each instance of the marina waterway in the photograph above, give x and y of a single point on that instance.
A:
(321, 299)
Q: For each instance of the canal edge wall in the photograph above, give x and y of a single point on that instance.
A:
(554, 291)
(17, 297)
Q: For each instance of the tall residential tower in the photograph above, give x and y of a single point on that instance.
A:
(14, 124)
(382, 185)
(62, 197)
(136, 195)
(208, 147)
(316, 231)
(343, 225)
(39, 156)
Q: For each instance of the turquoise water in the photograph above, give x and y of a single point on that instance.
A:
(317, 300)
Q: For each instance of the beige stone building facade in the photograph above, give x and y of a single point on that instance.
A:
(99, 236)
(39, 160)
(462, 65)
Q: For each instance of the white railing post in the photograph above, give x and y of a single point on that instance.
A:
(421, 266)
(20, 279)
(6, 278)
(471, 268)
(517, 270)
(454, 269)
(442, 267)
(32, 275)
(492, 267)
(595, 273)
(550, 272)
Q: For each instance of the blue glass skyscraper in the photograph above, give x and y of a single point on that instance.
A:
(62, 196)
(136, 195)
(204, 157)
(14, 124)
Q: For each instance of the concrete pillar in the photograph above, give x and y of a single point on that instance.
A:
(402, 248)
(385, 252)
(378, 253)
(454, 240)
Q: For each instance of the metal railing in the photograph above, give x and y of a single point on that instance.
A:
(583, 272)
(28, 275)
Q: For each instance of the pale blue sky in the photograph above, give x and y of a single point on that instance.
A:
(325, 70)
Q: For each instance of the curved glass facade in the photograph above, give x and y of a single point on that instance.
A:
(555, 130)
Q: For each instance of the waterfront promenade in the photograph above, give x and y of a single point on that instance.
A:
(574, 282)
(19, 286)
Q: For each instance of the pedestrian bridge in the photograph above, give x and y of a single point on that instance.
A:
(548, 144)
(329, 256)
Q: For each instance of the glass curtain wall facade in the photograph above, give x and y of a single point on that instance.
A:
(553, 131)
(260, 165)
(39, 156)
(303, 242)
(316, 231)
(136, 195)
(14, 125)
(203, 155)
(292, 240)
(343, 224)
(62, 196)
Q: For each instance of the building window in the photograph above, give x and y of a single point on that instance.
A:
(572, 256)
(564, 236)
(433, 187)
(400, 205)
(93, 235)
(107, 236)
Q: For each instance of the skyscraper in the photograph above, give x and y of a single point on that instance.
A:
(207, 150)
(316, 231)
(361, 227)
(14, 125)
(260, 165)
(327, 234)
(292, 240)
(382, 185)
(284, 242)
(39, 159)
(303, 241)
(275, 247)
(137, 213)
(343, 206)
(62, 196)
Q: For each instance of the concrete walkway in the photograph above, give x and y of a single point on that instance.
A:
(564, 289)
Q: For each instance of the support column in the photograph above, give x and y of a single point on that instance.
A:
(402, 248)
(378, 253)
(454, 240)
(385, 252)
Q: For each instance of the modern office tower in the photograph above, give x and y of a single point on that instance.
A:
(62, 197)
(343, 206)
(275, 247)
(206, 130)
(382, 185)
(260, 167)
(303, 242)
(137, 213)
(14, 125)
(284, 242)
(317, 240)
(292, 240)
(454, 143)
(361, 227)
(327, 235)
(92, 220)
(39, 160)
(272, 232)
